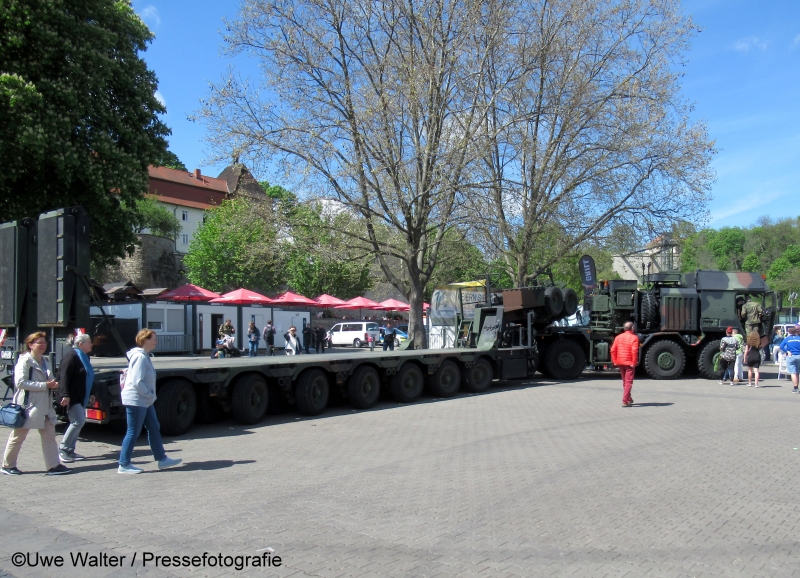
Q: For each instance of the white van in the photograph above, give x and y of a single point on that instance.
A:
(353, 332)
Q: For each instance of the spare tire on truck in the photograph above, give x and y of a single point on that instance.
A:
(553, 301)
(570, 302)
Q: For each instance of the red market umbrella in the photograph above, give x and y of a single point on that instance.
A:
(359, 303)
(242, 297)
(188, 293)
(394, 305)
(326, 300)
(426, 306)
(290, 298)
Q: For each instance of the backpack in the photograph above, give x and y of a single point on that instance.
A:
(729, 351)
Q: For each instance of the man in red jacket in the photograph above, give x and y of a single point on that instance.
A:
(625, 355)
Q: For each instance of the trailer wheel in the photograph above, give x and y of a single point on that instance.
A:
(209, 409)
(477, 378)
(364, 387)
(553, 301)
(446, 381)
(250, 399)
(277, 400)
(570, 302)
(312, 392)
(664, 360)
(356, 342)
(406, 385)
(564, 359)
(705, 361)
(176, 407)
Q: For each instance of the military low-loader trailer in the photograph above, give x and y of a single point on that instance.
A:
(193, 389)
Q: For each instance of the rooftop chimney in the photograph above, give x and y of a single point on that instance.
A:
(197, 174)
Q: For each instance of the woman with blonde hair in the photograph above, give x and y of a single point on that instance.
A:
(34, 383)
(138, 397)
(752, 357)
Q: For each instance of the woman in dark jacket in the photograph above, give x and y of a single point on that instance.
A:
(75, 379)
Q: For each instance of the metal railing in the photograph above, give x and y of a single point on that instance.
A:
(174, 343)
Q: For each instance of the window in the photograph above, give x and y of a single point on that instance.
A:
(154, 325)
(185, 215)
(185, 239)
(155, 319)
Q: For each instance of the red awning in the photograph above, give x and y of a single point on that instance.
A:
(290, 298)
(359, 303)
(394, 305)
(243, 297)
(326, 300)
(188, 293)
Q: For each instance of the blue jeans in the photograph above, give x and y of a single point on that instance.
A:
(253, 349)
(138, 417)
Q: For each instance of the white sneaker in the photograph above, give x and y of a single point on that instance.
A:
(168, 463)
(129, 470)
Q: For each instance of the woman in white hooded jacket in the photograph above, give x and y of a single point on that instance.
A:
(34, 391)
(138, 397)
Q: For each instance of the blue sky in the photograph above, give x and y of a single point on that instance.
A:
(743, 75)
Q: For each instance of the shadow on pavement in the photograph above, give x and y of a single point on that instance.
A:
(210, 465)
(652, 404)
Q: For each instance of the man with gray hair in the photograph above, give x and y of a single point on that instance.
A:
(75, 379)
(625, 355)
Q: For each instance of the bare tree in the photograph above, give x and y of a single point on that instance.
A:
(586, 130)
(371, 103)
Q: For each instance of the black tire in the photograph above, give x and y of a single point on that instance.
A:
(705, 361)
(357, 342)
(250, 399)
(477, 378)
(209, 410)
(406, 385)
(649, 310)
(570, 302)
(312, 392)
(664, 360)
(446, 381)
(277, 400)
(176, 407)
(364, 387)
(553, 301)
(396, 343)
(564, 359)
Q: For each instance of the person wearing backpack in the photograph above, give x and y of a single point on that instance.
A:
(253, 337)
(34, 383)
(269, 337)
(138, 397)
(727, 356)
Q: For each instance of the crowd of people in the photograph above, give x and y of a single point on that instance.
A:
(35, 386)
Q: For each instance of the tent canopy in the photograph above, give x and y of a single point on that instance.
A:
(188, 292)
(242, 297)
(359, 303)
(290, 298)
(394, 305)
(326, 300)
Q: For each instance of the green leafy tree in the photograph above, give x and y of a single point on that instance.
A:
(156, 218)
(727, 246)
(78, 114)
(170, 160)
(459, 260)
(237, 246)
(792, 254)
(751, 263)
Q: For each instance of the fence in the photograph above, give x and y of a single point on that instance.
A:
(174, 343)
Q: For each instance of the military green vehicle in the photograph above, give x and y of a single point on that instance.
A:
(680, 318)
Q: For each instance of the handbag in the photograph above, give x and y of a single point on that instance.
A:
(13, 414)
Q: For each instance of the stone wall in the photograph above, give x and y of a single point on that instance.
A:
(154, 264)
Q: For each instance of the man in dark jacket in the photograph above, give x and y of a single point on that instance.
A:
(320, 339)
(269, 336)
(75, 379)
(308, 337)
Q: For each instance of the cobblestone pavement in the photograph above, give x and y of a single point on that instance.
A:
(530, 479)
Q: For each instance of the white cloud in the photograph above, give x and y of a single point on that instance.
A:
(749, 43)
(160, 98)
(742, 205)
(149, 14)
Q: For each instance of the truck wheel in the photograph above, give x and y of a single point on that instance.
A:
(553, 301)
(564, 359)
(649, 310)
(209, 409)
(705, 361)
(570, 302)
(446, 381)
(250, 399)
(312, 392)
(364, 387)
(664, 360)
(277, 400)
(176, 407)
(356, 342)
(477, 378)
(406, 385)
